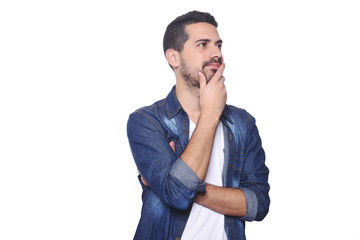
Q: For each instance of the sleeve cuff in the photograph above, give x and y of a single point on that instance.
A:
(251, 205)
(182, 172)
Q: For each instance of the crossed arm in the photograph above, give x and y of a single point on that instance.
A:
(227, 201)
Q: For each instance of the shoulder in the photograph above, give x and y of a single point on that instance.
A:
(154, 110)
(148, 116)
(239, 115)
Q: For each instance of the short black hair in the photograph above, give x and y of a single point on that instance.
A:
(175, 35)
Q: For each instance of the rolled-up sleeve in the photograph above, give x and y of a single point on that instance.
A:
(254, 178)
(181, 171)
(169, 176)
(251, 205)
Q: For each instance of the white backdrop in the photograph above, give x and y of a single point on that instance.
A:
(72, 71)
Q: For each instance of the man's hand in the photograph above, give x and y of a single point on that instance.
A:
(172, 145)
(212, 102)
(213, 94)
(212, 99)
(143, 180)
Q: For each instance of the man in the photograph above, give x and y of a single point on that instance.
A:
(201, 163)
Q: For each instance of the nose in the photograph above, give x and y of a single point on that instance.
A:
(216, 52)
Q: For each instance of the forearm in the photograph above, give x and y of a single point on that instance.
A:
(198, 151)
(212, 99)
(161, 170)
(227, 201)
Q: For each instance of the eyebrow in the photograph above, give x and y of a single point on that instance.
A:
(208, 40)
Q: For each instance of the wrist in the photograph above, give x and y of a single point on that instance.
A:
(208, 119)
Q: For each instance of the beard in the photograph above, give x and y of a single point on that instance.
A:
(192, 78)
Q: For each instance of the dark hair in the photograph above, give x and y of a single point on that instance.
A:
(175, 35)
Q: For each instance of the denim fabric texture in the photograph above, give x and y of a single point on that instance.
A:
(173, 185)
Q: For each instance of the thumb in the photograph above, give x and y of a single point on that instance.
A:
(202, 80)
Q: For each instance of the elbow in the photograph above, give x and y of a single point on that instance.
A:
(179, 196)
(263, 209)
(257, 205)
(183, 185)
(261, 214)
(182, 204)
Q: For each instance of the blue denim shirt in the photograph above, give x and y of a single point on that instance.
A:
(173, 185)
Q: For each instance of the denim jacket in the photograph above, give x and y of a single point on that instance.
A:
(173, 185)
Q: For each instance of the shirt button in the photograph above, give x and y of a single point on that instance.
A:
(230, 221)
(231, 136)
(177, 238)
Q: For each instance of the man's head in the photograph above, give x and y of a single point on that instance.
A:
(192, 45)
(175, 35)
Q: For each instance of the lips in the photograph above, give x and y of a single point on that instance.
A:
(214, 65)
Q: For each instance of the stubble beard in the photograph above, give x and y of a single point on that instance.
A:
(192, 78)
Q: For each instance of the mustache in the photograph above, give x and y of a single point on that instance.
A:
(213, 60)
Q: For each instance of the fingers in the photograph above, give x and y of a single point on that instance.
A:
(217, 76)
(172, 145)
(219, 73)
(143, 180)
(202, 80)
(222, 79)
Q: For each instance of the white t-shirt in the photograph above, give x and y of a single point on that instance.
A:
(204, 223)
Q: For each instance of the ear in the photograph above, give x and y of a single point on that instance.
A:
(172, 57)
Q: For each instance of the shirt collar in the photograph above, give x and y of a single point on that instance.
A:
(226, 114)
(174, 106)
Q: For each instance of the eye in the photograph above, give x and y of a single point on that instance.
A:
(202, 44)
(219, 46)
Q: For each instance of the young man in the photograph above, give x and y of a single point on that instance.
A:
(201, 163)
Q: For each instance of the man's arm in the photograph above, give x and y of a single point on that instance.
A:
(166, 174)
(250, 201)
(212, 102)
(254, 186)
(177, 180)
(227, 201)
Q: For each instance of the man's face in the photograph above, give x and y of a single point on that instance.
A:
(201, 53)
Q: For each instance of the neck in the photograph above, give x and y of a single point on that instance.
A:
(189, 99)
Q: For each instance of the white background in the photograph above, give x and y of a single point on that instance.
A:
(72, 71)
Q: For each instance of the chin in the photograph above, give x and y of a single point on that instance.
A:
(210, 74)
